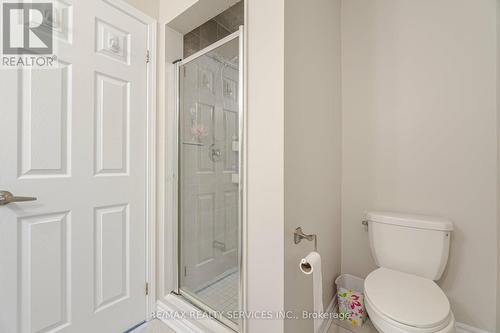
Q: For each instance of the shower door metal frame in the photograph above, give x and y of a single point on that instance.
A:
(241, 180)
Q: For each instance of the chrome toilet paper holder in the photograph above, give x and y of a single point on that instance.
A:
(299, 235)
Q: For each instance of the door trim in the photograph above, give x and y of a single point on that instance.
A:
(150, 273)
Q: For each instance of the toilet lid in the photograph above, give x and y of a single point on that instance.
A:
(406, 298)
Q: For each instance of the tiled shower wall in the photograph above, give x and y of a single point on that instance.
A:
(213, 30)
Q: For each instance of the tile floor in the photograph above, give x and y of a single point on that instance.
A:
(223, 294)
(339, 326)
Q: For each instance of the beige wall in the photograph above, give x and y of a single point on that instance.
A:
(149, 7)
(169, 9)
(419, 133)
(185, 15)
(312, 148)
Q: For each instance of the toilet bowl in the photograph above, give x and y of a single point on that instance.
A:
(411, 252)
(402, 303)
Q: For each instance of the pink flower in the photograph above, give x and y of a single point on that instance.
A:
(199, 131)
(355, 304)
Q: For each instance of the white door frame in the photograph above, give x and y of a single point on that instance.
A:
(150, 273)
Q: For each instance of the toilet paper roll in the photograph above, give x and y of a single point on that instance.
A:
(311, 264)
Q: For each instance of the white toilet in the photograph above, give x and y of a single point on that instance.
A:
(411, 253)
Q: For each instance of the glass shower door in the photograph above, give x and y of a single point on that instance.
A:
(209, 182)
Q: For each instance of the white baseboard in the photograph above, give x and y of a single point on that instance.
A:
(330, 308)
(463, 328)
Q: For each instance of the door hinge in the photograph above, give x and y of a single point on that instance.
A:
(147, 288)
(185, 271)
(148, 56)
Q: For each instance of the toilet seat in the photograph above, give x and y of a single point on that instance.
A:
(406, 302)
(386, 325)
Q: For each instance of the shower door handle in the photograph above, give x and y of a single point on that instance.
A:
(215, 153)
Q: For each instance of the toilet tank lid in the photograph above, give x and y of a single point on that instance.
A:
(411, 221)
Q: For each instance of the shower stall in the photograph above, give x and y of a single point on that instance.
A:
(210, 179)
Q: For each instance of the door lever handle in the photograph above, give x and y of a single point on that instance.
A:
(6, 198)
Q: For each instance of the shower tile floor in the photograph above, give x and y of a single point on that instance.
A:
(222, 295)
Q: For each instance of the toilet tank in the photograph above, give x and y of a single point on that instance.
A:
(413, 244)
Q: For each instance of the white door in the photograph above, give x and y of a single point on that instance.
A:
(209, 174)
(75, 137)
